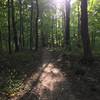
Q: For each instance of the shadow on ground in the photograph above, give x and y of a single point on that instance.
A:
(61, 77)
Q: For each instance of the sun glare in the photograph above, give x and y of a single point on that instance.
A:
(73, 1)
(61, 2)
(56, 2)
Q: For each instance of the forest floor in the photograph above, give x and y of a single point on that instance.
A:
(48, 75)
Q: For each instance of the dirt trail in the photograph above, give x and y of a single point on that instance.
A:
(49, 83)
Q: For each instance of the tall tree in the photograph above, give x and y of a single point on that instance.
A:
(37, 17)
(9, 26)
(84, 31)
(0, 40)
(14, 27)
(31, 25)
(42, 32)
(79, 25)
(21, 23)
(52, 31)
(67, 28)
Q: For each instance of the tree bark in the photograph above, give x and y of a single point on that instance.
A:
(0, 40)
(14, 27)
(21, 25)
(84, 31)
(37, 17)
(31, 26)
(79, 24)
(67, 28)
(9, 27)
(52, 30)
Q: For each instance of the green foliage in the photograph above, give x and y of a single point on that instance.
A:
(49, 26)
(15, 69)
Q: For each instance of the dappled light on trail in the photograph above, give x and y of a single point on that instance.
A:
(49, 80)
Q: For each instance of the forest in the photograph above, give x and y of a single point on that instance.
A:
(49, 50)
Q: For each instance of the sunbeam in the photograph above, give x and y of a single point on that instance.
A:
(58, 3)
(49, 80)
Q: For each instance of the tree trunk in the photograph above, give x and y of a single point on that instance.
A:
(22, 30)
(67, 28)
(37, 16)
(93, 39)
(42, 33)
(14, 27)
(52, 34)
(84, 31)
(9, 27)
(31, 25)
(79, 24)
(0, 40)
(56, 32)
(21, 25)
